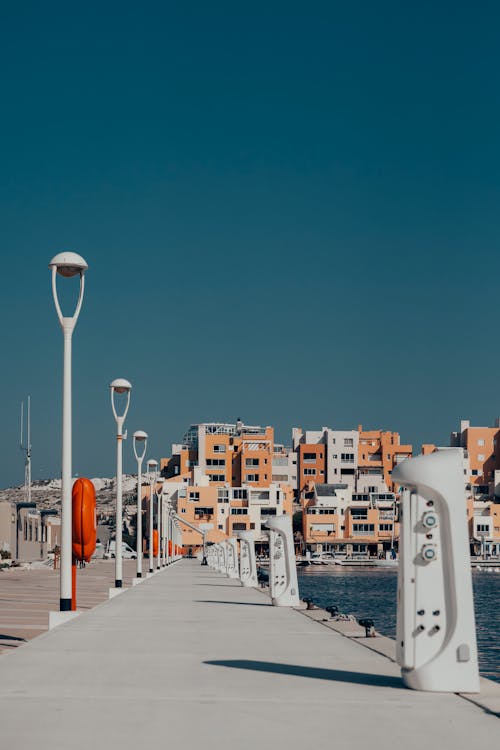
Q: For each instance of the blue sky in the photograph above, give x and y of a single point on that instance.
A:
(289, 210)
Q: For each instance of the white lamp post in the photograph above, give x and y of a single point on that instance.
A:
(67, 265)
(152, 470)
(169, 533)
(140, 438)
(164, 526)
(119, 386)
(159, 523)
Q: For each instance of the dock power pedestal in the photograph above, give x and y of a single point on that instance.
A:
(283, 571)
(436, 634)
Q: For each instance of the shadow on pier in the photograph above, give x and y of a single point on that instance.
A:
(297, 670)
(245, 604)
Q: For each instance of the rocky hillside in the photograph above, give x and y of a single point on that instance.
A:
(46, 493)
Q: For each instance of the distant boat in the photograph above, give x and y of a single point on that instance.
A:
(321, 558)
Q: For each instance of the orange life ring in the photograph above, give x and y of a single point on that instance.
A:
(84, 519)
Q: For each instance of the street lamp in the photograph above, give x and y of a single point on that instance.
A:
(159, 523)
(67, 265)
(164, 525)
(152, 470)
(169, 534)
(140, 438)
(120, 386)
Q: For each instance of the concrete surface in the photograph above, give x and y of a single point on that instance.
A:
(28, 595)
(190, 658)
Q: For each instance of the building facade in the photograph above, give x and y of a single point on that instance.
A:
(26, 533)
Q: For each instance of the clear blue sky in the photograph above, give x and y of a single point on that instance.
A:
(290, 212)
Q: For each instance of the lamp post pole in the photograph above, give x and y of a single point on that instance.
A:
(164, 522)
(152, 464)
(119, 386)
(67, 265)
(168, 535)
(159, 495)
(140, 437)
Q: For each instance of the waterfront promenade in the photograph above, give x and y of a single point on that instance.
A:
(191, 658)
(27, 595)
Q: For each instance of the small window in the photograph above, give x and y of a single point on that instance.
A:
(480, 443)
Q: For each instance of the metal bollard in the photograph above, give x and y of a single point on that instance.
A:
(369, 627)
(333, 610)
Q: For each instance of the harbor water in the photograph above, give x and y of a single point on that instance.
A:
(371, 592)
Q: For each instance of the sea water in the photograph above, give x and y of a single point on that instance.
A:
(371, 592)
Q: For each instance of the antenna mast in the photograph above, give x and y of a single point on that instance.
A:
(26, 450)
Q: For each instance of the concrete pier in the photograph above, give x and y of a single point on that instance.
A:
(190, 658)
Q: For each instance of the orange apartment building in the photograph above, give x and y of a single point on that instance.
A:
(233, 454)
(481, 446)
(338, 521)
(379, 452)
(222, 474)
(363, 459)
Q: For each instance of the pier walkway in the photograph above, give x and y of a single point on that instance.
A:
(191, 659)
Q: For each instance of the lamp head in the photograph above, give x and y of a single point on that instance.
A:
(68, 264)
(152, 464)
(140, 436)
(120, 385)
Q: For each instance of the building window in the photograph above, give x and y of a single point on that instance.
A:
(365, 528)
(309, 456)
(194, 495)
(216, 461)
(480, 443)
(251, 462)
(359, 514)
(239, 511)
(385, 527)
(348, 442)
(217, 477)
(219, 449)
(183, 510)
(309, 472)
(204, 511)
(347, 458)
(239, 526)
(240, 494)
(252, 478)
(480, 456)
(220, 526)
